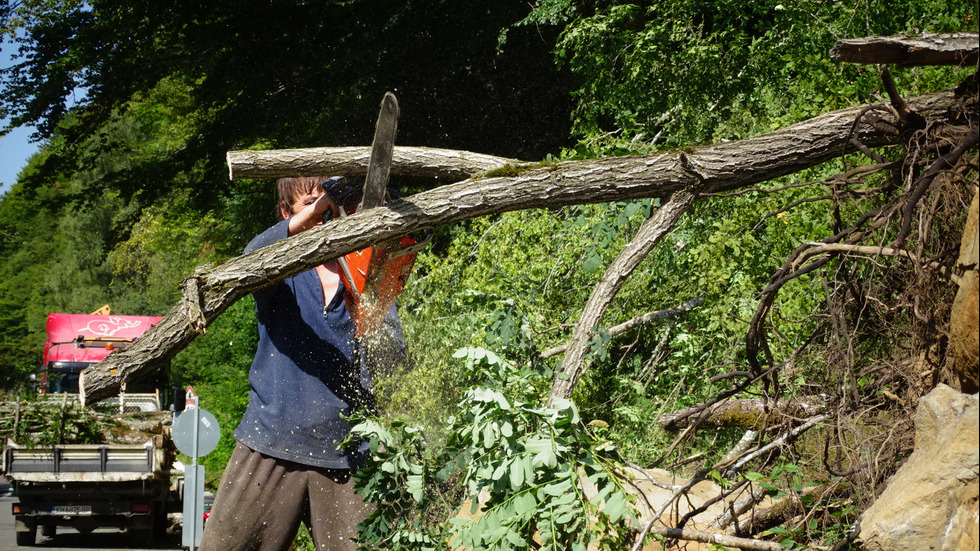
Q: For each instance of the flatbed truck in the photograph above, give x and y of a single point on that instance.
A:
(130, 485)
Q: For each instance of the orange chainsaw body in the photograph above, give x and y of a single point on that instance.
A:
(374, 278)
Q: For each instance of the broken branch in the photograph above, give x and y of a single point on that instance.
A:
(636, 322)
(750, 413)
(927, 49)
(867, 250)
(574, 362)
(724, 540)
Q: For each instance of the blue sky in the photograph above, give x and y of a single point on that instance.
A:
(15, 147)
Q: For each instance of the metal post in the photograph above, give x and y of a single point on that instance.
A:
(197, 514)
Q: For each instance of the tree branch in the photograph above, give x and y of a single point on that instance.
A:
(701, 536)
(779, 442)
(425, 162)
(717, 168)
(575, 361)
(750, 413)
(946, 162)
(635, 322)
(869, 250)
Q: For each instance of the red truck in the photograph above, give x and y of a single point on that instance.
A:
(132, 485)
(77, 341)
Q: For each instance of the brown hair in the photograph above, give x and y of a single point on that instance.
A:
(291, 189)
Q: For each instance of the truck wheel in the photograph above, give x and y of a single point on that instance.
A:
(143, 538)
(27, 538)
(160, 523)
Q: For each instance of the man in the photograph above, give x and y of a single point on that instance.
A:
(288, 466)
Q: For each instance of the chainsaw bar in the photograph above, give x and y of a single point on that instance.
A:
(379, 166)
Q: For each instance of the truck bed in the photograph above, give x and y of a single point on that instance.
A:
(84, 463)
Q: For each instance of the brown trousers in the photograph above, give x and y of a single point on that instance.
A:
(262, 500)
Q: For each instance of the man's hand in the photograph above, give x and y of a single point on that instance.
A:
(308, 210)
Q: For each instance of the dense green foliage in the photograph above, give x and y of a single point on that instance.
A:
(137, 102)
(524, 467)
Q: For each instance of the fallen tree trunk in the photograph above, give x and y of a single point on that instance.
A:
(714, 168)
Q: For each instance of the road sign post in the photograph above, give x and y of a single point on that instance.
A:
(196, 433)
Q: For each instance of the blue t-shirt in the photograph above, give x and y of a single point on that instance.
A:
(306, 373)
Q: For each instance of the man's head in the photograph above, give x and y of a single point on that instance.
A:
(296, 193)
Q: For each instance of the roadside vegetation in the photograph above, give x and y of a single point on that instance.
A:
(129, 193)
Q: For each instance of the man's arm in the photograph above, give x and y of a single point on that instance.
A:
(311, 215)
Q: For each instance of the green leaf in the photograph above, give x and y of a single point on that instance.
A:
(567, 498)
(489, 438)
(544, 451)
(416, 486)
(524, 503)
(564, 516)
(515, 539)
(517, 474)
(616, 507)
(556, 489)
(498, 473)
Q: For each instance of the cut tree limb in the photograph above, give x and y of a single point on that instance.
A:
(712, 538)
(752, 498)
(779, 442)
(869, 251)
(379, 165)
(926, 49)
(423, 162)
(714, 168)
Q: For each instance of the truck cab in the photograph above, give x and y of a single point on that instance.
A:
(77, 341)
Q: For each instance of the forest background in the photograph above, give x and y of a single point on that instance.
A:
(129, 191)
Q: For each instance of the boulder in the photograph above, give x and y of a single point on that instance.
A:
(931, 502)
(964, 327)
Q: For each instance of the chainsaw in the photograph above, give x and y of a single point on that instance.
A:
(376, 275)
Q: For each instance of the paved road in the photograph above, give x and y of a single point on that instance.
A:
(68, 539)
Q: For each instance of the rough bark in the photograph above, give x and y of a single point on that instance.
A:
(424, 162)
(714, 168)
(927, 49)
(379, 165)
(575, 361)
(782, 510)
(749, 413)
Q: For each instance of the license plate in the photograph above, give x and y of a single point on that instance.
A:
(71, 510)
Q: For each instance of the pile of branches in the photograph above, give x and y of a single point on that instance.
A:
(61, 419)
(889, 274)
